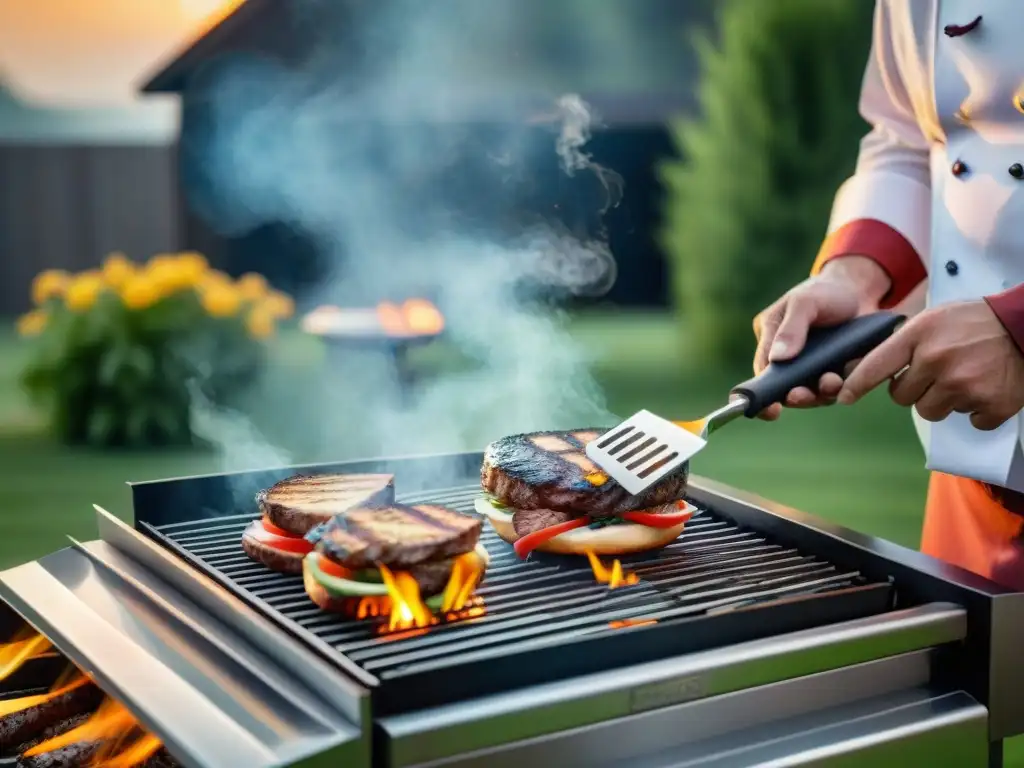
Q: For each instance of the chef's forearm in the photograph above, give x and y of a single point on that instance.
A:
(876, 258)
(1009, 308)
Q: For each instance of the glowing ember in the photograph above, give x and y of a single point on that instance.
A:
(624, 623)
(414, 317)
(62, 686)
(136, 753)
(422, 317)
(124, 744)
(614, 576)
(27, 645)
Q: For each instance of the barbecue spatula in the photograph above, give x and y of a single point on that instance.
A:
(644, 448)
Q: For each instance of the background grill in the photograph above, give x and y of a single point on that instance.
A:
(717, 584)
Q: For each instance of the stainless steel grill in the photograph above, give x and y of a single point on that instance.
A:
(776, 637)
(548, 602)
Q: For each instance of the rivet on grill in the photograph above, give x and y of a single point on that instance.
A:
(959, 168)
(1017, 171)
(952, 268)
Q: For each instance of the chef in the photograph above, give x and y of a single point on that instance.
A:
(932, 222)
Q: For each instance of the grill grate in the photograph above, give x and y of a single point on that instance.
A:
(712, 571)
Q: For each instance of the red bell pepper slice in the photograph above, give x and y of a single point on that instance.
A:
(287, 543)
(331, 568)
(654, 520)
(526, 544)
(272, 529)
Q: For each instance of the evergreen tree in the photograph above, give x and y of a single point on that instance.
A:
(749, 201)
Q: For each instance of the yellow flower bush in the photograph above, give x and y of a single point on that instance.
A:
(49, 285)
(119, 348)
(83, 291)
(32, 323)
(221, 300)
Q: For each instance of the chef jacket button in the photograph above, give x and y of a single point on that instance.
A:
(959, 169)
(1017, 171)
(952, 268)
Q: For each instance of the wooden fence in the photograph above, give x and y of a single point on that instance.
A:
(68, 206)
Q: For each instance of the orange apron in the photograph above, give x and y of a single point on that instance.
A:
(977, 527)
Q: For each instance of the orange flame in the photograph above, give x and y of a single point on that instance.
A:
(613, 577)
(414, 317)
(138, 752)
(116, 729)
(62, 686)
(405, 608)
(27, 645)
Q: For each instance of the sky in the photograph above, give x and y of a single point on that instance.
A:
(93, 53)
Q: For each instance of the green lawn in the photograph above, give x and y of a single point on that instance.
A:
(859, 466)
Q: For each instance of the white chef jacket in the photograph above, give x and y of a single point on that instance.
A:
(943, 166)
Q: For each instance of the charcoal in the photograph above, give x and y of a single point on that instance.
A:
(26, 724)
(54, 730)
(161, 759)
(74, 755)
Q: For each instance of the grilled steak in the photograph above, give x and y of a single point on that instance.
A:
(54, 730)
(304, 501)
(398, 536)
(549, 470)
(18, 727)
(73, 755)
(527, 521)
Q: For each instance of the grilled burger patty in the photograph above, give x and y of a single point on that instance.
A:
(274, 559)
(399, 536)
(302, 502)
(550, 471)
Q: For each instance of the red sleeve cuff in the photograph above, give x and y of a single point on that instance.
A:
(883, 245)
(1008, 306)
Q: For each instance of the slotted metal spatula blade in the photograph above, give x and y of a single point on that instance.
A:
(643, 449)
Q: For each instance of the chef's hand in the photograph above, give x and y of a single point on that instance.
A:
(846, 288)
(958, 358)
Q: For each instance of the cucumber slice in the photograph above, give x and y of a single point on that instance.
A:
(343, 587)
(373, 586)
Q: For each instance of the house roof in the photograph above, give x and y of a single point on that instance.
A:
(223, 34)
(272, 27)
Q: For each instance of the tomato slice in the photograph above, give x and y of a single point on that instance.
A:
(331, 568)
(652, 520)
(526, 544)
(287, 543)
(272, 529)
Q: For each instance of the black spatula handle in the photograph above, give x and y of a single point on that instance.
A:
(828, 350)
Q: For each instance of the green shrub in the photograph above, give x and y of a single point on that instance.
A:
(749, 200)
(119, 354)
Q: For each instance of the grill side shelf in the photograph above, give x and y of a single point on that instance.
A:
(718, 584)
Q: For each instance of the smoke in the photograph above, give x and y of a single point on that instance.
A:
(409, 170)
